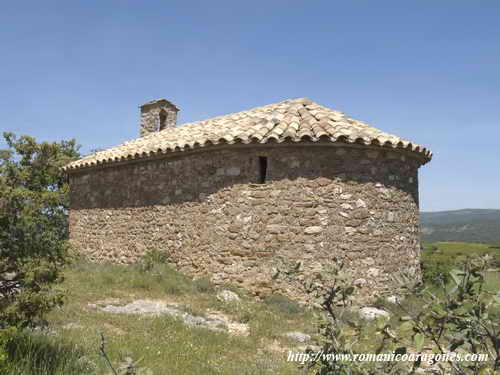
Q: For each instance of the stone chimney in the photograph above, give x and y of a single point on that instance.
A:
(157, 115)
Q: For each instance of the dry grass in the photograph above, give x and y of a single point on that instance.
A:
(164, 344)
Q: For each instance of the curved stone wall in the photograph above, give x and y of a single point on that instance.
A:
(208, 211)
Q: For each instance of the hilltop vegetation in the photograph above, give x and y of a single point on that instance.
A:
(164, 344)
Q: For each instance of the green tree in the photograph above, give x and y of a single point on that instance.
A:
(33, 227)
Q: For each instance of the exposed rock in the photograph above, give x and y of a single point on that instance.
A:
(213, 321)
(149, 307)
(394, 299)
(140, 307)
(371, 313)
(298, 336)
(9, 276)
(227, 296)
(107, 301)
(234, 328)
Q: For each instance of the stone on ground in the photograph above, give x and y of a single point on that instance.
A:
(371, 313)
(298, 336)
(227, 296)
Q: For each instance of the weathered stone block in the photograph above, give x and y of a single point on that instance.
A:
(313, 230)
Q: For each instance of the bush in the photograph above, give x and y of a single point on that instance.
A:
(33, 227)
(496, 260)
(436, 268)
(204, 285)
(283, 304)
(155, 262)
(462, 318)
(152, 258)
(170, 280)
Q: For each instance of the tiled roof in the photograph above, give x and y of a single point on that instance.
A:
(291, 120)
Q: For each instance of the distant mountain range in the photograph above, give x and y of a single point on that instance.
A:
(469, 225)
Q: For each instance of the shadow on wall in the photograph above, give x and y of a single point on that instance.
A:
(192, 178)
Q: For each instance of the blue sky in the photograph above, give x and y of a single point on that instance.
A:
(428, 71)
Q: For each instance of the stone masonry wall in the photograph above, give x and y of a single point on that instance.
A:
(156, 116)
(213, 218)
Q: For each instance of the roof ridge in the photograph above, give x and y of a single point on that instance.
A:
(293, 100)
(295, 120)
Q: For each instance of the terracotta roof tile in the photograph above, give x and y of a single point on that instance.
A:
(290, 120)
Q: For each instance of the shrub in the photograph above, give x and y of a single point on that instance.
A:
(204, 285)
(283, 304)
(436, 268)
(152, 258)
(462, 318)
(33, 227)
(155, 262)
(496, 260)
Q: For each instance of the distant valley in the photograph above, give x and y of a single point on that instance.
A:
(467, 225)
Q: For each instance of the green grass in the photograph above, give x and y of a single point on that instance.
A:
(164, 344)
(462, 248)
(283, 305)
(42, 354)
(493, 281)
(441, 257)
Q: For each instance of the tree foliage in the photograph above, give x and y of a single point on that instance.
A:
(33, 226)
(460, 317)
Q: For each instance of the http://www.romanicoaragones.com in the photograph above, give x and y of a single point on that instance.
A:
(303, 357)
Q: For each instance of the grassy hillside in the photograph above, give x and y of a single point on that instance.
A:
(469, 225)
(164, 344)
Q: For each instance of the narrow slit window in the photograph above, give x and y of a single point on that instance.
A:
(162, 120)
(262, 169)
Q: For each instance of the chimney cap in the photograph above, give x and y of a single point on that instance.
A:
(160, 101)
